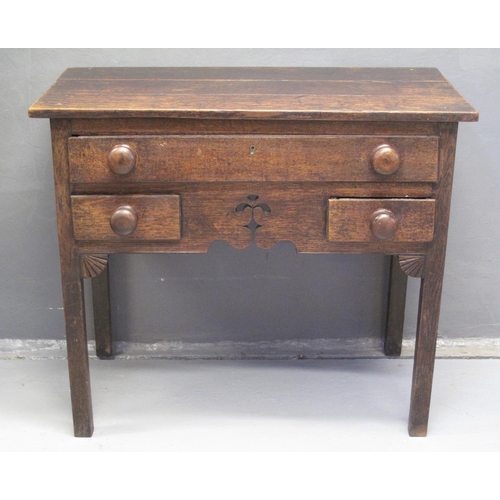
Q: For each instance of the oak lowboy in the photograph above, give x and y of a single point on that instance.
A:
(341, 160)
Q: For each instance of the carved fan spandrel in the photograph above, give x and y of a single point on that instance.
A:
(93, 265)
(412, 265)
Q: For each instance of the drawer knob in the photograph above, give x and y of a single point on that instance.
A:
(385, 160)
(123, 221)
(384, 224)
(121, 159)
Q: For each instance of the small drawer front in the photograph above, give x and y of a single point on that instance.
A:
(378, 220)
(216, 158)
(135, 217)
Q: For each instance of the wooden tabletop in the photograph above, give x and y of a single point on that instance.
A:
(395, 94)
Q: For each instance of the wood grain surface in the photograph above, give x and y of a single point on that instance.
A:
(299, 213)
(72, 288)
(253, 156)
(397, 94)
(430, 290)
(190, 126)
(349, 219)
(215, 158)
(158, 217)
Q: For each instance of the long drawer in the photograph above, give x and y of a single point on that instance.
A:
(226, 158)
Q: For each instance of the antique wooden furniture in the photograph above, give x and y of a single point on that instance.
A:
(345, 160)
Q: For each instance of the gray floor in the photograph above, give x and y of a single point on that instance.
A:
(301, 405)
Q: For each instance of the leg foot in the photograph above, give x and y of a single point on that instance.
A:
(398, 281)
(102, 315)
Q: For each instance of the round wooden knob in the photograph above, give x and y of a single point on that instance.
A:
(121, 159)
(123, 221)
(385, 159)
(383, 224)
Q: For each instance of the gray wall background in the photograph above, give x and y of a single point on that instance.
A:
(254, 294)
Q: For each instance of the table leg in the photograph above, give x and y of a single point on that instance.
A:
(76, 338)
(72, 286)
(425, 352)
(396, 309)
(102, 315)
(430, 290)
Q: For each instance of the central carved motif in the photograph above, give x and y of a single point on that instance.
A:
(252, 204)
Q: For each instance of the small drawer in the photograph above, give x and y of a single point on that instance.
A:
(376, 220)
(253, 158)
(135, 217)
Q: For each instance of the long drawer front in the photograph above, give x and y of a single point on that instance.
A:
(253, 158)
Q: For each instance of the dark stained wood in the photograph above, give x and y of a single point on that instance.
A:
(124, 219)
(337, 160)
(263, 241)
(412, 265)
(430, 291)
(330, 189)
(166, 126)
(102, 315)
(396, 309)
(136, 217)
(384, 224)
(122, 159)
(366, 220)
(299, 214)
(265, 92)
(92, 265)
(95, 266)
(385, 159)
(396, 94)
(72, 288)
(251, 158)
